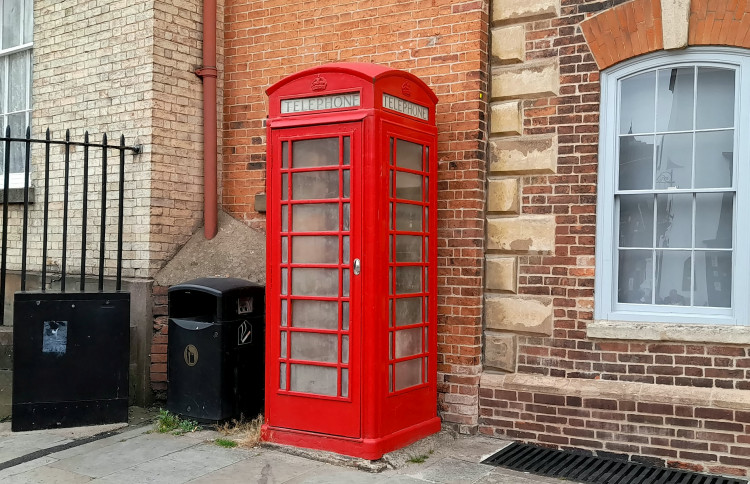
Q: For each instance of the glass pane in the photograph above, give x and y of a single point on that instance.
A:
(345, 283)
(674, 109)
(345, 349)
(315, 152)
(408, 248)
(426, 368)
(320, 380)
(427, 189)
(713, 159)
(315, 314)
(317, 217)
(344, 382)
(390, 150)
(636, 221)
(408, 186)
(408, 155)
(18, 92)
(715, 98)
(426, 308)
(636, 162)
(390, 248)
(284, 250)
(17, 149)
(283, 312)
(408, 311)
(390, 346)
(345, 243)
(346, 184)
(315, 185)
(637, 103)
(674, 221)
(347, 149)
(283, 344)
(345, 316)
(315, 249)
(284, 218)
(714, 220)
(426, 248)
(674, 161)
(28, 21)
(390, 378)
(408, 342)
(283, 281)
(11, 23)
(408, 373)
(390, 280)
(282, 376)
(284, 186)
(315, 347)
(673, 269)
(2, 90)
(315, 282)
(408, 280)
(408, 217)
(635, 276)
(285, 154)
(713, 279)
(345, 207)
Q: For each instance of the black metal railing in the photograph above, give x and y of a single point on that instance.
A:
(7, 142)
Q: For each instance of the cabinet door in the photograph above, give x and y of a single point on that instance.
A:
(313, 293)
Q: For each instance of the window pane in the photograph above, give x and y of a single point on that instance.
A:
(315, 249)
(636, 221)
(636, 162)
(408, 248)
(408, 311)
(315, 185)
(283, 312)
(408, 217)
(408, 186)
(2, 90)
(315, 347)
(347, 149)
(408, 155)
(11, 23)
(408, 280)
(315, 152)
(715, 98)
(28, 21)
(674, 161)
(713, 159)
(17, 82)
(284, 249)
(315, 282)
(17, 148)
(408, 342)
(637, 103)
(284, 186)
(408, 373)
(344, 382)
(714, 220)
(674, 221)
(319, 217)
(635, 276)
(315, 314)
(673, 269)
(284, 218)
(713, 279)
(285, 154)
(674, 109)
(320, 380)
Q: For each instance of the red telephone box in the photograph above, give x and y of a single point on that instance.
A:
(351, 328)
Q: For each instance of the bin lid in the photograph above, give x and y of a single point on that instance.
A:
(215, 285)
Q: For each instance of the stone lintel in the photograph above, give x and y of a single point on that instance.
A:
(682, 333)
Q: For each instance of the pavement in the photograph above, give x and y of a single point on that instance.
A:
(134, 454)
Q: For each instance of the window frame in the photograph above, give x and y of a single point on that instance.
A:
(606, 307)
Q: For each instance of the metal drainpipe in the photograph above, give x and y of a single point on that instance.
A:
(208, 74)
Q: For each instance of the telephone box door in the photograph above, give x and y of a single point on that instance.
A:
(313, 322)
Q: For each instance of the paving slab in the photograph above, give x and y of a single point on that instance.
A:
(267, 467)
(46, 475)
(26, 466)
(451, 471)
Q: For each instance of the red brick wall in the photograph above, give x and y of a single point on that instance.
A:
(698, 437)
(443, 42)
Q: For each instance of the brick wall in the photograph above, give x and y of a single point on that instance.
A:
(443, 42)
(548, 380)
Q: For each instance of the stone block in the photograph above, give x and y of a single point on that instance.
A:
(500, 351)
(526, 234)
(519, 315)
(502, 195)
(526, 80)
(519, 156)
(675, 32)
(501, 274)
(508, 11)
(508, 45)
(506, 118)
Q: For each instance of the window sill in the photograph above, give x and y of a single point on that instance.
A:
(15, 195)
(686, 333)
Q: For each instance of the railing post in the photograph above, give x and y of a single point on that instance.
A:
(6, 189)
(65, 211)
(84, 215)
(25, 208)
(121, 214)
(46, 209)
(104, 213)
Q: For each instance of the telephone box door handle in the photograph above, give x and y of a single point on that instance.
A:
(356, 267)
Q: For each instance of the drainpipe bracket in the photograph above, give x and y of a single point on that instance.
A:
(207, 71)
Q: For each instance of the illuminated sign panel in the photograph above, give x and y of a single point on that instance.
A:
(319, 103)
(405, 107)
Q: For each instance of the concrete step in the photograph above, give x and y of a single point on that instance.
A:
(6, 390)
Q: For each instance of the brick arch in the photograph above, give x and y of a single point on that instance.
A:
(634, 28)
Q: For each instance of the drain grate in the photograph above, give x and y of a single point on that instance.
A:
(594, 470)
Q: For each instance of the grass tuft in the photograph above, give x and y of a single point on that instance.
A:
(246, 433)
(168, 422)
(226, 443)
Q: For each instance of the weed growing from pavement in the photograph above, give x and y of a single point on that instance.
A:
(226, 443)
(168, 422)
(419, 459)
(246, 433)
